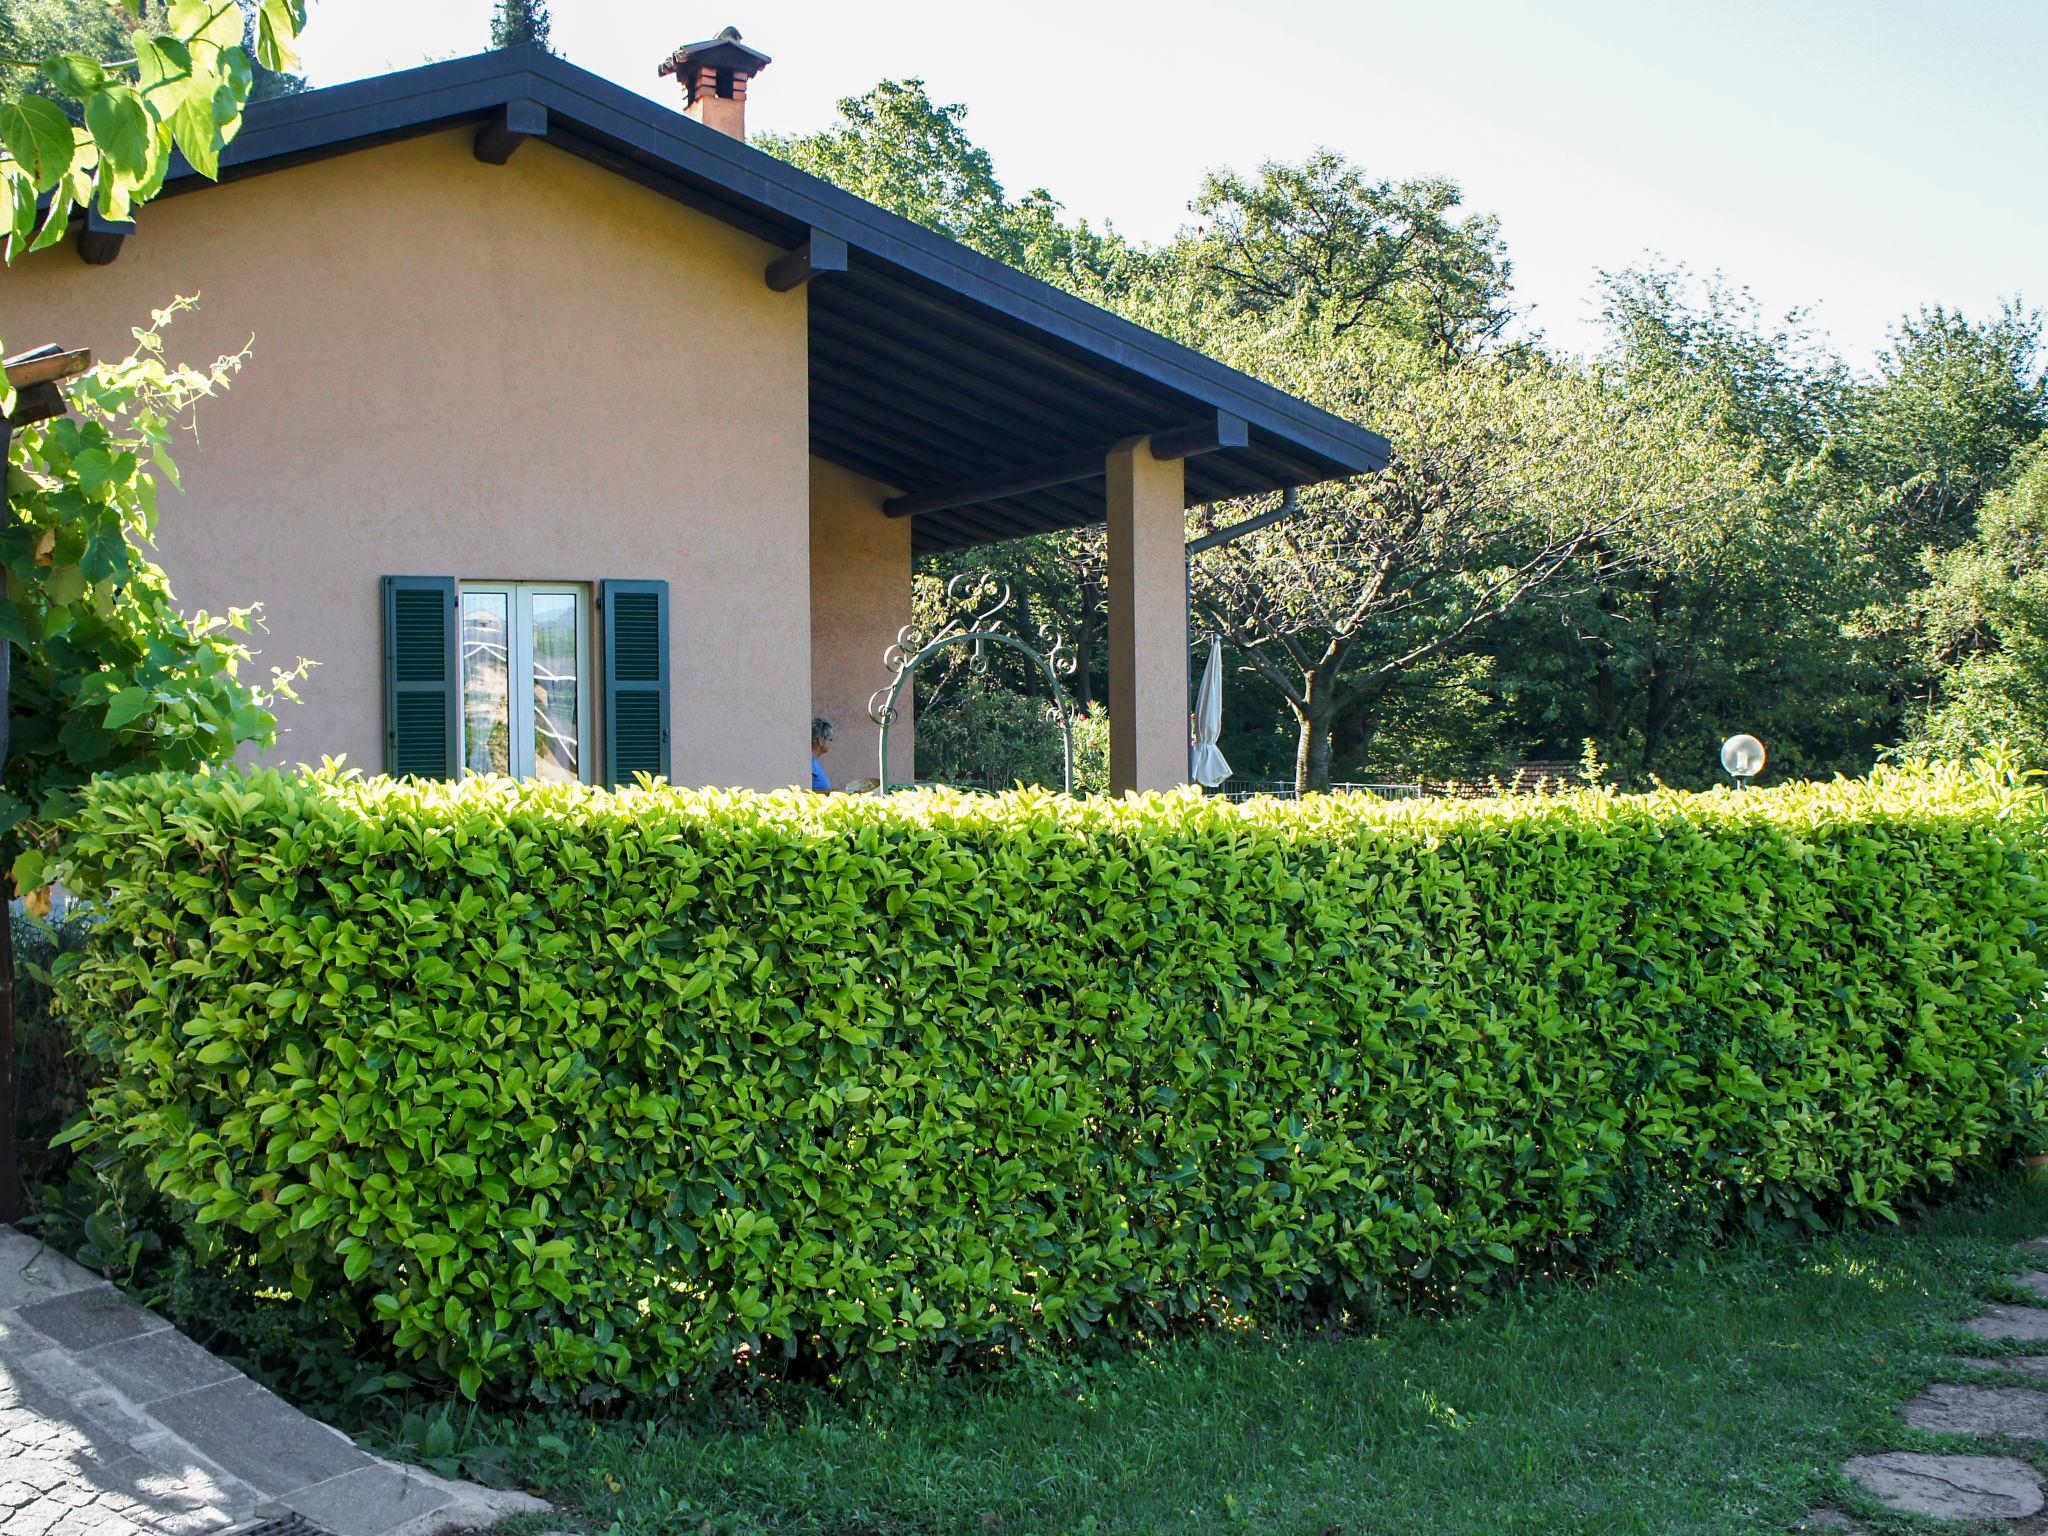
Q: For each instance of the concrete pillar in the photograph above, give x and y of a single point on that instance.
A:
(1148, 620)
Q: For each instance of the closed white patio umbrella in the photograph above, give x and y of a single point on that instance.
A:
(1208, 764)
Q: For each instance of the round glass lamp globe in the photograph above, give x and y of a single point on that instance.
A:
(1742, 756)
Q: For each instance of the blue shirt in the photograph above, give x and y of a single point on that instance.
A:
(818, 780)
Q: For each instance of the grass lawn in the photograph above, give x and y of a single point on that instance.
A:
(1714, 1395)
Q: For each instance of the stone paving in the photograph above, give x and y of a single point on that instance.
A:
(1982, 1489)
(112, 1423)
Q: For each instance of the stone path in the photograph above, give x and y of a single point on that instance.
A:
(1968, 1487)
(112, 1423)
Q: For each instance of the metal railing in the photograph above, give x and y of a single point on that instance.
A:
(1283, 789)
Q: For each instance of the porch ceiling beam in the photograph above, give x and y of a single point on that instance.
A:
(920, 438)
(1226, 431)
(509, 127)
(100, 238)
(1012, 482)
(820, 254)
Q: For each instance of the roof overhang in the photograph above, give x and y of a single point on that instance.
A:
(931, 365)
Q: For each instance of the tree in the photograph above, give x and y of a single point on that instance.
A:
(1509, 486)
(1741, 621)
(1985, 621)
(1321, 245)
(516, 22)
(1954, 401)
(1772, 384)
(902, 151)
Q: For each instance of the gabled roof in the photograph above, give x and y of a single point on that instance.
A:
(931, 365)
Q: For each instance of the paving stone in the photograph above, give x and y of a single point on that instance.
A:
(114, 1424)
(29, 1272)
(161, 1497)
(2035, 1244)
(89, 1318)
(1952, 1410)
(1832, 1520)
(153, 1366)
(18, 1341)
(2001, 1320)
(215, 1485)
(2024, 1365)
(1951, 1487)
(258, 1437)
(367, 1502)
(2034, 1282)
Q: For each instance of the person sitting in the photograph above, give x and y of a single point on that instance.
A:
(821, 743)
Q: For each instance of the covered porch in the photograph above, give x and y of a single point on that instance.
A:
(955, 403)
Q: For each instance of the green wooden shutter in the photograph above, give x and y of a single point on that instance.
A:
(635, 617)
(422, 678)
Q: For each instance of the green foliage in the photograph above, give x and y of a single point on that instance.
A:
(1953, 402)
(1513, 485)
(1986, 622)
(51, 1077)
(543, 1089)
(109, 674)
(1321, 245)
(987, 736)
(902, 151)
(516, 22)
(105, 126)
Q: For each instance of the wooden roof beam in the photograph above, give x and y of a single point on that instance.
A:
(100, 238)
(508, 128)
(818, 255)
(1225, 431)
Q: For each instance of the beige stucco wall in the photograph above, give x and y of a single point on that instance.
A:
(860, 599)
(537, 371)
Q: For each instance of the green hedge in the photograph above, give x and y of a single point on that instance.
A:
(549, 1087)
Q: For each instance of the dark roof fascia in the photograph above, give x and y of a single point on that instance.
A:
(340, 118)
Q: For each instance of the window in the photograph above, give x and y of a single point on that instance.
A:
(515, 677)
(526, 680)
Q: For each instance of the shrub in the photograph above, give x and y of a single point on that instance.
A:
(984, 736)
(552, 1089)
(51, 1078)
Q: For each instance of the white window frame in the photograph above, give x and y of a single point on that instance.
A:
(519, 597)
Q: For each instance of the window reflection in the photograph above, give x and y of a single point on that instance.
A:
(486, 683)
(556, 750)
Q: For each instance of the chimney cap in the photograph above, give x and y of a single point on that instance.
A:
(724, 51)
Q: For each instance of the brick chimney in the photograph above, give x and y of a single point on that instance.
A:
(714, 78)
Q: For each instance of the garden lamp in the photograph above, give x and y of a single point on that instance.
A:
(1743, 757)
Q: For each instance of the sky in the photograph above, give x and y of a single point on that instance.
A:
(1859, 158)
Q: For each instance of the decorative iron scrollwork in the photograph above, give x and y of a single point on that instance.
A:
(979, 601)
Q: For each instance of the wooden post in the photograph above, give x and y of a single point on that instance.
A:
(1148, 620)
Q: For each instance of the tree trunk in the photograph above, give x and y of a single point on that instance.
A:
(1316, 714)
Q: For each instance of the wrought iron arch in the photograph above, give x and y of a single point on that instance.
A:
(985, 600)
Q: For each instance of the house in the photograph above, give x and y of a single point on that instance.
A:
(579, 438)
